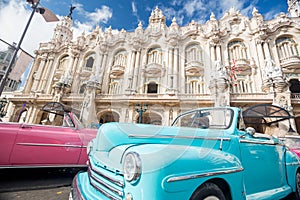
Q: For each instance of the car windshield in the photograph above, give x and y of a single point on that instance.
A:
(213, 118)
(77, 121)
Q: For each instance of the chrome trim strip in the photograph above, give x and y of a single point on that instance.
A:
(50, 145)
(107, 186)
(176, 136)
(104, 192)
(293, 163)
(41, 166)
(117, 182)
(258, 142)
(193, 176)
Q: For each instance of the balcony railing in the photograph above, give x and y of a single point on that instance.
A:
(295, 96)
(290, 63)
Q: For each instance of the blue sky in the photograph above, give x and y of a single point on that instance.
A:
(117, 14)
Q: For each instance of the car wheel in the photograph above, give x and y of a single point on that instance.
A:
(297, 193)
(208, 191)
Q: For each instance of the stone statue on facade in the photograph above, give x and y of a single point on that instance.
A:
(88, 109)
(273, 77)
(219, 85)
(267, 75)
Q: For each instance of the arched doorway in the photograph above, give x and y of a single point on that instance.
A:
(297, 121)
(294, 86)
(150, 118)
(109, 116)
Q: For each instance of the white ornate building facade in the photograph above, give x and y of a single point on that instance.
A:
(236, 61)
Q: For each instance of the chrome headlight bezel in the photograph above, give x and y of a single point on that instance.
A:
(89, 147)
(132, 167)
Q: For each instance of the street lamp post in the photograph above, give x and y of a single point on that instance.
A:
(48, 16)
(3, 103)
(141, 109)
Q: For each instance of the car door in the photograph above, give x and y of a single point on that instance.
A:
(263, 163)
(8, 134)
(46, 145)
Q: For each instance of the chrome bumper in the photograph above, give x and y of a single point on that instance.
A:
(75, 192)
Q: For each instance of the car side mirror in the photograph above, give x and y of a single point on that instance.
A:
(250, 130)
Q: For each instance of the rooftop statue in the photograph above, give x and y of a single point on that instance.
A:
(71, 11)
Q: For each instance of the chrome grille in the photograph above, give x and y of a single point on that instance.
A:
(109, 183)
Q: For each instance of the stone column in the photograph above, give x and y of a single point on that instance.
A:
(266, 50)
(212, 54)
(218, 52)
(170, 66)
(136, 70)
(45, 77)
(37, 76)
(129, 73)
(98, 64)
(175, 70)
(104, 67)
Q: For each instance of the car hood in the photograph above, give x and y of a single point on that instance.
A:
(168, 159)
(112, 135)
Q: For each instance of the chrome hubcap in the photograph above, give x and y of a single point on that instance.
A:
(211, 198)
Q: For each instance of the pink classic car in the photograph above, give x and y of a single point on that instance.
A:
(32, 145)
(293, 142)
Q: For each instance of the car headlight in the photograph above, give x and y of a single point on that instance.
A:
(132, 167)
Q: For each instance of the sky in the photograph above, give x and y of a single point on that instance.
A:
(124, 14)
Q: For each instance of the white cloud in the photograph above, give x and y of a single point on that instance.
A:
(133, 6)
(135, 11)
(13, 19)
(193, 6)
(93, 19)
(15, 14)
(100, 15)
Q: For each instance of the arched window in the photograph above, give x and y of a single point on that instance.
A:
(90, 62)
(286, 47)
(82, 89)
(120, 59)
(114, 87)
(193, 54)
(154, 56)
(242, 84)
(237, 50)
(152, 87)
(195, 85)
(63, 62)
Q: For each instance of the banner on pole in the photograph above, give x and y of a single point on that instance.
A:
(22, 63)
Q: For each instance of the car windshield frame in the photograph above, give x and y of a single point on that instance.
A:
(205, 118)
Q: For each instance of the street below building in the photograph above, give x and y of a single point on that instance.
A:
(36, 184)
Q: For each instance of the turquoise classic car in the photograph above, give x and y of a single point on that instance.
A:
(207, 153)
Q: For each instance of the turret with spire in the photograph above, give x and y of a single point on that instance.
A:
(294, 8)
(63, 31)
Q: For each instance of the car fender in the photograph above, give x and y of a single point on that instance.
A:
(183, 168)
(292, 163)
